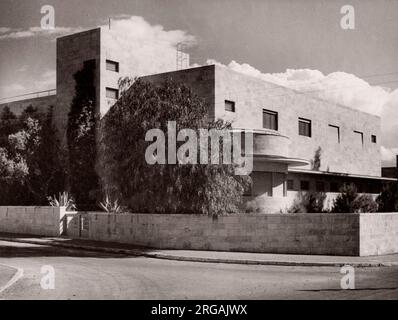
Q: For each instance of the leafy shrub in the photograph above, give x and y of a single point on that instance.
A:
(110, 205)
(32, 162)
(63, 200)
(348, 201)
(309, 202)
(388, 198)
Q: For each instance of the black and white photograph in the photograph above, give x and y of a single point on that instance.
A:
(198, 155)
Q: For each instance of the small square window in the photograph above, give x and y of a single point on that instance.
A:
(229, 106)
(112, 93)
(304, 185)
(290, 184)
(112, 65)
(270, 119)
(374, 139)
(304, 127)
(320, 186)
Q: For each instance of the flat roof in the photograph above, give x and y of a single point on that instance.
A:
(338, 174)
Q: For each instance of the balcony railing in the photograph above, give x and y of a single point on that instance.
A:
(31, 95)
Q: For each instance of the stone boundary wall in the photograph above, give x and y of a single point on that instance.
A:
(328, 234)
(378, 233)
(43, 221)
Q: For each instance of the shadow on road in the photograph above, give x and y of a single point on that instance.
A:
(30, 250)
(17, 245)
(356, 289)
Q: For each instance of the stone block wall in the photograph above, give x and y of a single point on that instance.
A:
(330, 234)
(42, 221)
(378, 233)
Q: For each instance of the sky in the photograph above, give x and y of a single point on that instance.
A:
(299, 44)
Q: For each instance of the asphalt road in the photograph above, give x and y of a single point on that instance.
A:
(93, 275)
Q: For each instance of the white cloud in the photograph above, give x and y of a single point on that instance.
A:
(388, 156)
(36, 32)
(4, 30)
(146, 48)
(46, 81)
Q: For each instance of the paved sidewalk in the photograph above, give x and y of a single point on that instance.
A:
(208, 256)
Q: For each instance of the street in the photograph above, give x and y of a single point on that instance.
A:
(93, 275)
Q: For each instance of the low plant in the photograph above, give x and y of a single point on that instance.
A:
(348, 201)
(308, 202)
(64, 199)
(388, 198)
(110, 205)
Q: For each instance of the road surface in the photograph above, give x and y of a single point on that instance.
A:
(93, 275)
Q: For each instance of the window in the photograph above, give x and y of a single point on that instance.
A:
(270, 119)
(112, 93)
(112, 65)
(262, 183)
(334, 133)
(290, 184)
(359, 137)
(373, 138)
(320, 186)
(334, 187)
(304, 185)
(229, 106)
(304, 127)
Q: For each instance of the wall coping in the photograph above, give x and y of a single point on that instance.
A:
(260, 215)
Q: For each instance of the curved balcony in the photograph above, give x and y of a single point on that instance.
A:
(272, 146)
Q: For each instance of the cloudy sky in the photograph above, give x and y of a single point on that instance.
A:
(297, 43)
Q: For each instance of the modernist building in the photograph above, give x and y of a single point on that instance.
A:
(289, 126)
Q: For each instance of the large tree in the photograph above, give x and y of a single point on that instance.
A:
(81, 139)
(164, 188)
(31, 163)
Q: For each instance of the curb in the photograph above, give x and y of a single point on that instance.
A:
(17, 275)
(204, 260)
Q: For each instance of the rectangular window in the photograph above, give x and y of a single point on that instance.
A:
(334, 133)
(112, 65)
(270, 119)
(229, 106)
(112, 93)
(304, 185)
(334, 187)
(290, 184)
(359, 137)
(304, 127)
(320, 186)
(374, 139)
